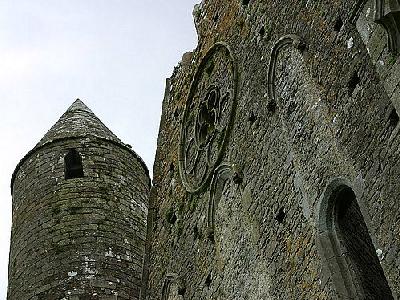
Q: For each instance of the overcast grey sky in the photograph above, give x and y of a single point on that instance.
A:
(113, 55)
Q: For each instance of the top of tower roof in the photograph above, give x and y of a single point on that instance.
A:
(78, 104)
(78, 121)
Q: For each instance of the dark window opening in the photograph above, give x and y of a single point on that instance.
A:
(338, 25)
(355, 267)
(252, 118)
(208, 280)
(216, 18)
(353, 82)
(171, 169)
(171, 216)
(73, 165)
(196, 233)
(262, 31)
(280, 217)
(181, 291)
(393, 118)
(271, 106)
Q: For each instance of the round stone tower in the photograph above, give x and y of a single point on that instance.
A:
(80, 201)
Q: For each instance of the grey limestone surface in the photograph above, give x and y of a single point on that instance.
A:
(276, 174)
(79, 238)
(294, 194)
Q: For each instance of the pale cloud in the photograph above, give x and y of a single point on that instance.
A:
(24, 64)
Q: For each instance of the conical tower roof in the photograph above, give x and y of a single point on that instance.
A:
(78, 121)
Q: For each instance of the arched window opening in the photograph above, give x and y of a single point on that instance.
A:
(348, 249)
(73, 165)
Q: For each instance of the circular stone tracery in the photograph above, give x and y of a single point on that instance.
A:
(208, 117)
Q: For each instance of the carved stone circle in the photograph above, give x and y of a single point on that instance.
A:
(208, 117)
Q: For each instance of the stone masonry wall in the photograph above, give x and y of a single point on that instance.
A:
(81, 238)
(375, 39)
(280, 102)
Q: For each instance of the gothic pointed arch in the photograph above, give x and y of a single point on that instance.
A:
(290, 40)
(387, 13)
(222, 173)
(347, 248)
(173, 287)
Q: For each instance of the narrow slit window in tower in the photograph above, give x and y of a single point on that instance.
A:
(73, 165)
